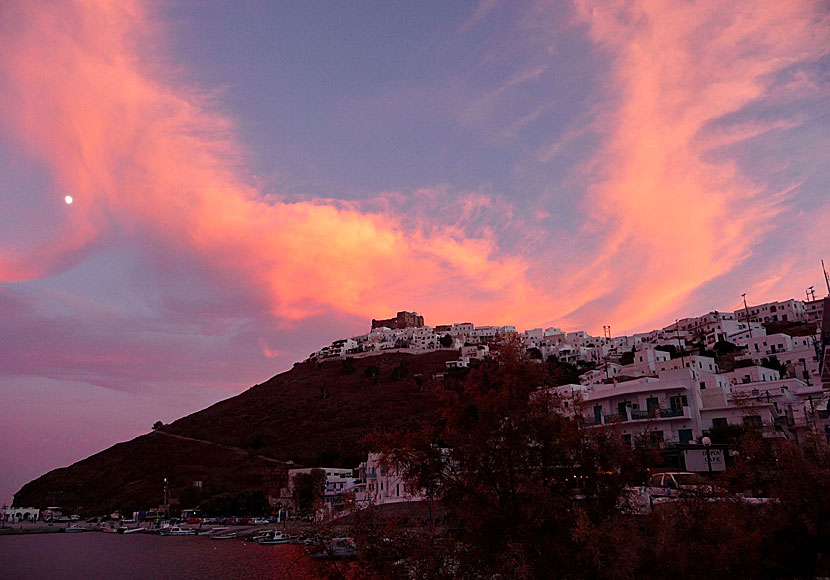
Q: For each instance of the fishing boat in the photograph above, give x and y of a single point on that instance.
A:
(73, 528)
(272, 538)
(136, 530)
(227, 536)
(177, 531)
(337, 549)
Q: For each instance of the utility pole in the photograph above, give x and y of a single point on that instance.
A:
(826, 277)
(746, 309)
(606, 333)
(679, 347)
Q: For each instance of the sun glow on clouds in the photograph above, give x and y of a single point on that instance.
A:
(154, 157)
(662, 217)
(671, 217)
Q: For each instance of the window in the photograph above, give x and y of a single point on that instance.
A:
(685, 435)
(626, 438)
(719, 421)
(703, 384)
(753, 421)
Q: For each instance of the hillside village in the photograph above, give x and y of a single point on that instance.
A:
(699, 379)
(761, 366)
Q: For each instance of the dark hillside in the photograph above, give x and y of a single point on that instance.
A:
(130, 475)
(314, 415)
(288, 417)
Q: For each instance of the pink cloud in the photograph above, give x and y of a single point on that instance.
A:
(671, 218)
(143, 155)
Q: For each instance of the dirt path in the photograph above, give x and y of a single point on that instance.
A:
(238, 450)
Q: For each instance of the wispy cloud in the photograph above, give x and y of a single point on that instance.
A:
(671, 217)
(143, 155)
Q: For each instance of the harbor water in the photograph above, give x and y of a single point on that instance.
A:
(93, 555)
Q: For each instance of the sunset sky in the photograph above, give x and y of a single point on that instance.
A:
(251, 180)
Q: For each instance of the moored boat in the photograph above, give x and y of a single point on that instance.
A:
(272, 538)
(177, 531)
(137, 530)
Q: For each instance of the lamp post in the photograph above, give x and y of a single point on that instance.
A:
(166, 508)
(707, 443)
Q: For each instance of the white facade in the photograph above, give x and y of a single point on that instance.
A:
(786, 311)
(20, 514)
(382, 484)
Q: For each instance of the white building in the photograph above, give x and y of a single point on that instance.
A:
(379, 483)
(20, 514)
(787, 311)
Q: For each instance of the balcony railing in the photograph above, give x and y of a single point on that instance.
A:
(637, 415)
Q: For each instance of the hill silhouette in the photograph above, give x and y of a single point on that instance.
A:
(315, 414)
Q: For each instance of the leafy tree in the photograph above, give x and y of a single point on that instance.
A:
(723, 347)
(562, 373)
(347, 366)
(158, 425)
(446, 341)
(773, 363)
(244, 503)
(524, 490)
(400, 371)
(309, 489)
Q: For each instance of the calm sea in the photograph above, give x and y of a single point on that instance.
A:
(94, 555)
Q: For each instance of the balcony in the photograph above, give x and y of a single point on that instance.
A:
(657, 414)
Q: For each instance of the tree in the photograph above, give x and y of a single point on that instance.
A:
(723, 347)
(446, 341)
(309, 489)
(347, 366)
(773, 363)
(158, 425)
(524, 490)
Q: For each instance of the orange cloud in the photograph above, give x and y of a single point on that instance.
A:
(670, 216)
(139, 154)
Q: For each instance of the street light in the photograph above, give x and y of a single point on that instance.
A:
(707, 443)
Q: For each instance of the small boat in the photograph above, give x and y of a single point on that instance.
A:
(272, 538)
(229, 536)
(177, 531)
(137, 530)
(337, 549)
(73, 528)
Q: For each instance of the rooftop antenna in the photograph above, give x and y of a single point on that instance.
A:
(811, 294)
(826, 277)
(746, 309)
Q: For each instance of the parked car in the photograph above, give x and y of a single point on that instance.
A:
(679, 484)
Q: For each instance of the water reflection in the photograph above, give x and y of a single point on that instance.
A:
(139, 556)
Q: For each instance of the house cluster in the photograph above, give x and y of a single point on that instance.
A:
(665, 385)
(406, 331)
(371, 483)
(654, 385)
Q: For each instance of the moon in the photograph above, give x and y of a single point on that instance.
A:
(68, 200)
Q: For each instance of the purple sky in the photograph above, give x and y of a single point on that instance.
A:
(252, 181)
